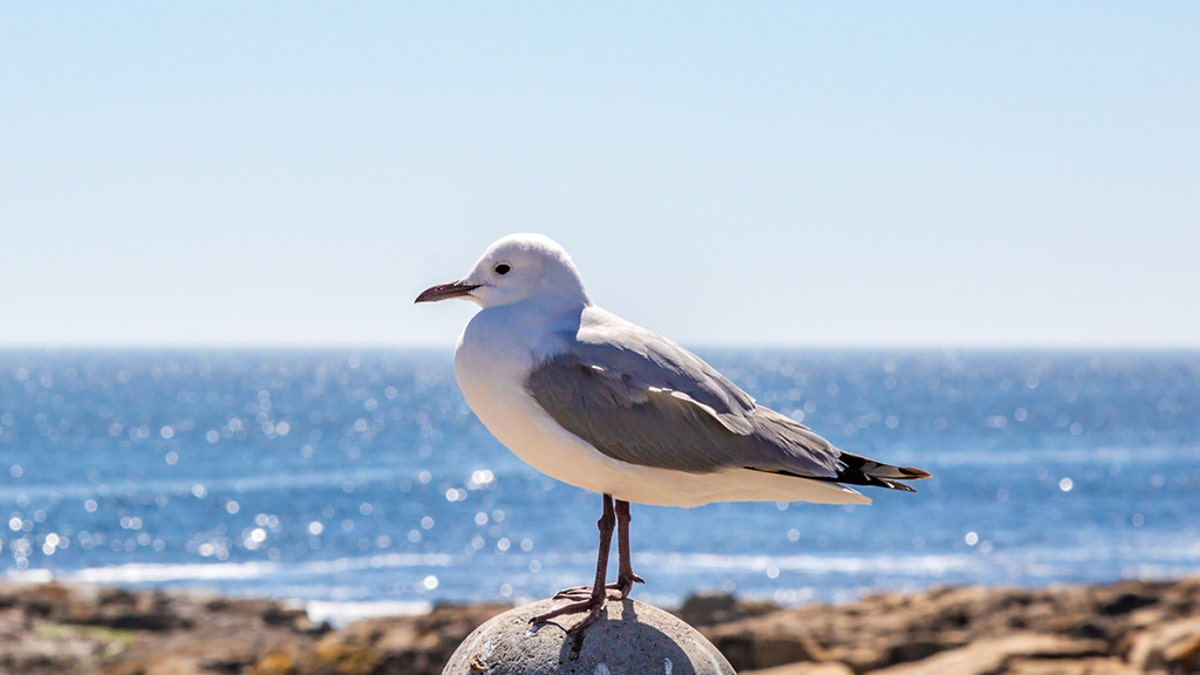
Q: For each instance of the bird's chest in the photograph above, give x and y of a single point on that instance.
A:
(491, 364)
(492, 380)
(492, 374)
(491, 361)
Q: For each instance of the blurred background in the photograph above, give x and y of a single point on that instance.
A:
(960, 237)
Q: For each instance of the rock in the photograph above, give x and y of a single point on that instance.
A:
(707, 609)
(764, 642)
(1125, 603)
(1185, 654)
(992, 656)
(629, 638)
(1130, 626)
(399, 644)
(1085, 666)
(808, 668)
(892, 628)
(55, 648)
(1170, 646)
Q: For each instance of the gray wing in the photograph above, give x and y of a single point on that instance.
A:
(640, 398)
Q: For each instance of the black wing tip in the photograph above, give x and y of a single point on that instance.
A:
(858, 470)
(855, 476)
(896, 473)
(867, 479)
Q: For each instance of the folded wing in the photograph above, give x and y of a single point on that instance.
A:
(639, 398)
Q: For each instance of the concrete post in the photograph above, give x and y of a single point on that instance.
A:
(629, 638)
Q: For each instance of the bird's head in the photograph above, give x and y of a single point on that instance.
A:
(516, 268)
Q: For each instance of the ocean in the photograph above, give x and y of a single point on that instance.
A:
(357, 482)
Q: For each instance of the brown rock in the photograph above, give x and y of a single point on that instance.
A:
(1122, 627)
(889, 629)
(807, 668)
(1184, 654)
(278, 662)
(403, 644)
(707, 609)
(764, 642)
(993, 656)
(1084, 666)
(1173, 645)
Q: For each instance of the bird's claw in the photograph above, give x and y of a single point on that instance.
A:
(622, 587)
(576, 593)
(592, 605)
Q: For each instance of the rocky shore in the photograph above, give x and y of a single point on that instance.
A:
(1127, 627)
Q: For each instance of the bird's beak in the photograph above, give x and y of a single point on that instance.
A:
(454, 289)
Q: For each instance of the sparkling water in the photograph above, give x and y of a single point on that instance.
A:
(359, 482)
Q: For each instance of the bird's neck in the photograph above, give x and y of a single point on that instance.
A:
(537, 322)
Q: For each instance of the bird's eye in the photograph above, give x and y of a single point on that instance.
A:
(503, 268)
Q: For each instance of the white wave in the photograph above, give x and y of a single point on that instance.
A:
(160, 572)
(34, 576)
(133, 573)
(924, 565)
(382, 561)
(342, 613)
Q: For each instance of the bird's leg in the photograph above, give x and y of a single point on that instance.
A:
(605, 525)
(595, 600)
(625, 574)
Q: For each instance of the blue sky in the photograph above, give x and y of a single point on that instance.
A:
(810, 174)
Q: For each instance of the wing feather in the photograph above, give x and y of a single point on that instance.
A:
(641, 399)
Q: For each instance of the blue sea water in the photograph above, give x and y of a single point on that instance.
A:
(359, 482)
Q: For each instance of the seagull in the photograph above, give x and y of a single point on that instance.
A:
(600, 403)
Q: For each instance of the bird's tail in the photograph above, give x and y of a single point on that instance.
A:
(858, 470)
